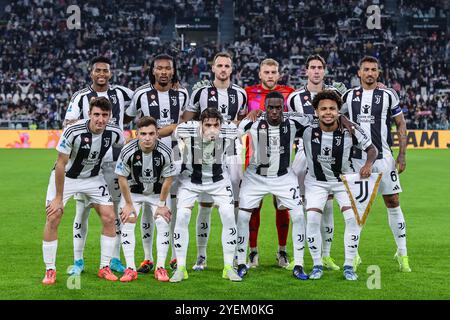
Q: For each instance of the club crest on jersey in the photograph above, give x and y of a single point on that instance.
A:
(106, 142)
(357, 99)
(233, 98)
(284, 129)
(338, 140)
(377, 99)
(114, 99)
(174, 101)
(157, 162)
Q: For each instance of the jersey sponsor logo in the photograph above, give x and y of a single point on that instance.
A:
(153, 104)
(325, 156)
(165, 113)
(93, 155)
(164, 122)
(92, 160)
(148, 176)
(365, 116)
(223, 108)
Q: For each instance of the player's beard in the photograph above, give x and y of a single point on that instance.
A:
(270, 85)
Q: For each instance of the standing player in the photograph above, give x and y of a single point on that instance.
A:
(269, 76)
(145, 169)
(160, 100)
(203, 173)
(327, 151)
(301, 101)
(120, 97)
(231, 101)
(269, 172)
(372, 108)
(81, 151)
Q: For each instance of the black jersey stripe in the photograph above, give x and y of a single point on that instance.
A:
(106, 143)
(316, 150)
(337, 153)
(285, 145)
(83, 153)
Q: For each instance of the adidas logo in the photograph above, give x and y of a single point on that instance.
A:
(153, 104)
(316, 140)
(240, 250)
(357, 99)
(307, 103)
(146, 236)
(139, 163)
(213, 98)
(396, 188)
(177, 245)
(86, 146)
(203, 235)
(77, 236)
(126, 242)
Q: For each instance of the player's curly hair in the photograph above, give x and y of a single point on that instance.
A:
(100, 59)
(163, 57)
(327, 94)
(211, 113)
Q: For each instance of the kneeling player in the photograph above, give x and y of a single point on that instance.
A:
(145, 169)
(327, 151)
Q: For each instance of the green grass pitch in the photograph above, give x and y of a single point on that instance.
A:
(424, 202)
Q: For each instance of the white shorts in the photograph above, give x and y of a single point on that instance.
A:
(111, 180)
(139, 200)
(176, 178)
(316, 193)
(220, 192)
(390, 180)
(299, 168)
(94, 189)
(254, 187)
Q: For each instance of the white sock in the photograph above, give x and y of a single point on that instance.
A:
(229, 233)
(351, 237)
(327, 228)
(202, 228)
(128, 240)
(314, 236)
(173, 209)
(147, 228)
(49, 252)
(398, 227)
(80, 229)
(119, 225)
(243, 235)
(181, 235)
(298, 234)
(106, 250)
(281, 248)
(162, 241)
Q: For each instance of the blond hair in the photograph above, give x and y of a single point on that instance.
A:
(269, 62)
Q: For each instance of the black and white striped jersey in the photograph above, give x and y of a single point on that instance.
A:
(166, 107)
(372, 110)
(231, 102)
(204, 161)
(119, 96)
(87, 150)
(145, 171)
(328, 153)
(301, 100)
(271, 146)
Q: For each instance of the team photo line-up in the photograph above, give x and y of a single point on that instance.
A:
(190, 148)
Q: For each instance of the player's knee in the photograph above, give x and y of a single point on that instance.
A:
(108, 218)
(392, 200)
(54, 220)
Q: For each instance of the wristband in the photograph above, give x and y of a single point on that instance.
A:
(161, 203)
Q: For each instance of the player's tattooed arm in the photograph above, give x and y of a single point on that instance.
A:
(372, 154)
(345, 123)
(402, 137)
(128, 213)
(57, 204)
(162, 210)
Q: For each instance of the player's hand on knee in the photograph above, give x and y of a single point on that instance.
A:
(55, 206)
(164, 213)
(128, 214)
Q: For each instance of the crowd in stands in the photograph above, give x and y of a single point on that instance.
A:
(42, 62)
